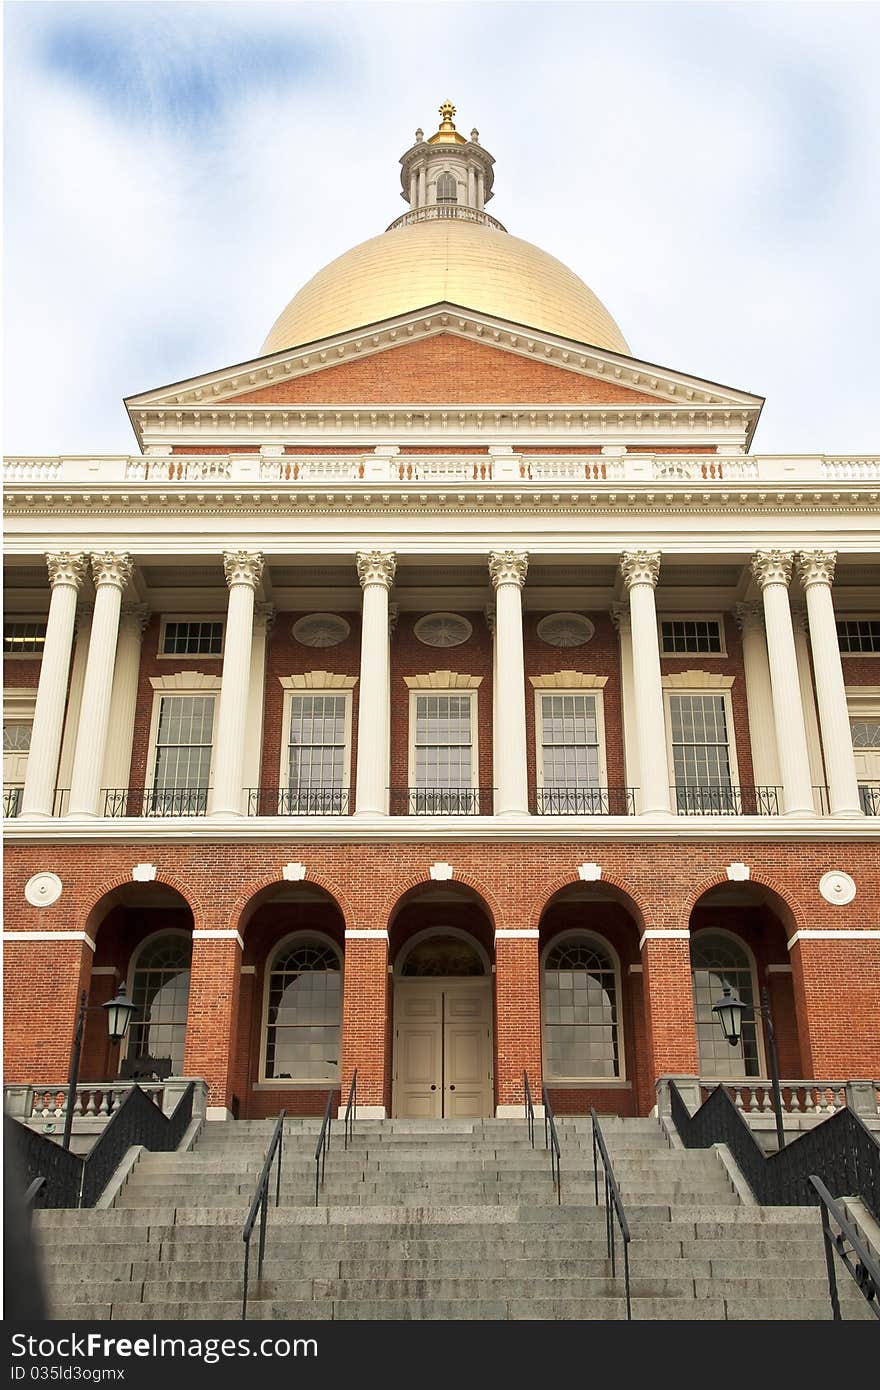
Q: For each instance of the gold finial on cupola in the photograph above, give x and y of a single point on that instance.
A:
(447, 134)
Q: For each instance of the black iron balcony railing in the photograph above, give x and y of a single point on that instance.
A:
(586, 801)
(12, 800)
(155, 801)
(441, 801)
(869, 796)
(726, 801)
(290, 801)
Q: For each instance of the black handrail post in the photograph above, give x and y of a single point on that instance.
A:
(73, 1074)
(827, 1243)
(244, 1294)
(278, 1170)
(529, 1108)
(774, 1067)
(613, 1208)
(350, 1110)
(595, 1163)
(260, 1203)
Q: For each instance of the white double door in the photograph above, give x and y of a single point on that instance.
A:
(443, 1049)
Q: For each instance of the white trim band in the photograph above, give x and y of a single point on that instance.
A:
(218, 936)
(658, 933)
(365, 933)
(49, 936)
(508, 934)
(833, 936)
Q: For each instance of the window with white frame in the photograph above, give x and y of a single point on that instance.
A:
(191, 637)
(303, 1012)
(181, 765)
(317, 752)
(699, 725)
(443, 752)
(23, 638)
(858, 636)
(581, 1024)
(571, 755)
(718, 960)
(17, 737)
(692, 636)
(446, 189)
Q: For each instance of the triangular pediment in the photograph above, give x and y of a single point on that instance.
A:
(441, 356)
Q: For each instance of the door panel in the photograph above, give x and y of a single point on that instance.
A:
(443, 1049)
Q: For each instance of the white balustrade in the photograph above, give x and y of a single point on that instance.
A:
(851, 469)
(821, 1098)
(92, 1100)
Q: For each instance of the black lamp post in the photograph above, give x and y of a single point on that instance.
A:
(119, 1012)
(730, 1011)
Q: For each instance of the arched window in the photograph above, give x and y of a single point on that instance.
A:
(303, 1011)
(446, 189)
(581, 1026)
(443, 954)
(160, 993)
(718, 960)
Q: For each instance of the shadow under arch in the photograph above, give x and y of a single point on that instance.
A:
(272, 888)
(605, 889)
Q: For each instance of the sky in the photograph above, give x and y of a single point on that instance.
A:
(175, 172)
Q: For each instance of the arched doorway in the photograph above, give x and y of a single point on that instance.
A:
(159, 989)
(441, 945)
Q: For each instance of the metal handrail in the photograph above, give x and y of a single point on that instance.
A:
(866, 1269)
(31, 1195)
(261, 1203)
(551, 1142)
(613, 1207)
(529, 1107)
(350, 1109)
(323, 1145)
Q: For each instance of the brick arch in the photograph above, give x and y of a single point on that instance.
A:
(466, 880)
(563, 881)
(273, 881)
(718, 879)
(167, 880)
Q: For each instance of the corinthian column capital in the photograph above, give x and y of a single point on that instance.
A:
(508, 567)
(376, 567)
(243, 567)
(137, 614)
(749, 616)
(112, 568)
(67, 567)
(772, 567)
(640, 567)
(816, 566)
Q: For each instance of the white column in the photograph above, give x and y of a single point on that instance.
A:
(66, 573)
(641, 570)
(471, 186)
(74, 695)
(423, 184)
(620, 619)
(123, 700)
(508, 569)
(243, 571)
(816, 570)
(818, 780)
(264, 617)
(772, 570)
(759, 696)
(413, 188)
(111, 572)
(376, 570)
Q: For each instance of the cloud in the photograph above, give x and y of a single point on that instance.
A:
(176, 172)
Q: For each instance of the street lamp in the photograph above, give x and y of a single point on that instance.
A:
(119, 1012)
(730, 1012)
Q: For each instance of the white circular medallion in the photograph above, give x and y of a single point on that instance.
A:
(43, 890)
(837, 887)
(565, 630)
(321, 630)
(442, 630)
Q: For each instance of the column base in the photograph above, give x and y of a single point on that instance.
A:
(516, 1112)
(365, 1112)
(804, 812)
(846, 813)
(218, 1112)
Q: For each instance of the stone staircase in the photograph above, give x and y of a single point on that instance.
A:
(442, 1220)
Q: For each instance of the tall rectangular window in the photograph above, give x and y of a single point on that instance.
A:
(684, 636)
(569, 768)
(701, 753)
(182, 763)
(316, 756)
(443, 755)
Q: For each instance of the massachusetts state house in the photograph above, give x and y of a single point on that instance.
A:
(445, 691)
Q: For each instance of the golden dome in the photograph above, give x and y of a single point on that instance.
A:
(415, 266)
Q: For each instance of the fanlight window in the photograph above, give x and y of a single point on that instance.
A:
(717, 961)
(304, 1006)
(581, 1026)
(160, 993)
(446, 190)
(443, 955)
